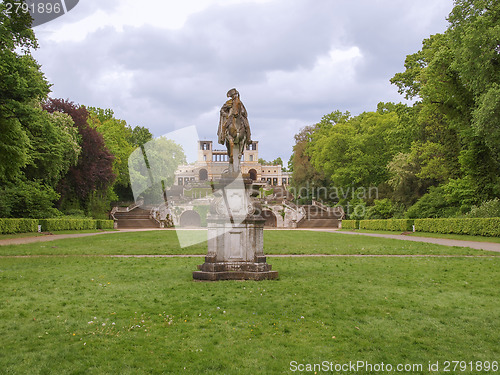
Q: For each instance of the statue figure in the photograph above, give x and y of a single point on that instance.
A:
(234, 130)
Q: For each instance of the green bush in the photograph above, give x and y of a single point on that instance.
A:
(28, 199)
(397, 225)
(105, 224)
(382, 209)
(49, 225)
(350, 224)
(11, 226)
(471, 226)
(486, 209)
(434, 204)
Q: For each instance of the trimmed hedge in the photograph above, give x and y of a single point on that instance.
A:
(49, 225)
(473, 226)
(74, 224)
(11, 226)
(350, 224)
(105, 224)
(397, 225)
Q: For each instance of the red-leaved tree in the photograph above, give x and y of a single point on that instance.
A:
(93, 172)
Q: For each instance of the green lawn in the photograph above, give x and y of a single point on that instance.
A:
(36, 234)
(95, 315)
(275, 242)
(461, 237)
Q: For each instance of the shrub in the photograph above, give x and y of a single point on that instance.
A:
(350, 224)
(433, 204)
(397, 225)
(382, 209)
(11, 226)
(356, 210)
(30, 199)
(105, 224)
(67, 224)
(472, 226)
(486, 209)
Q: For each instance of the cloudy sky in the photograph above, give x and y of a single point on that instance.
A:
(166, 65)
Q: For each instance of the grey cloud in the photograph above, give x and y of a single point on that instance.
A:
(166, 79)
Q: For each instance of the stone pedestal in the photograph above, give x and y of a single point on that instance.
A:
(235, 238)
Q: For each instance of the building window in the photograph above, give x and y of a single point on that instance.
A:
(204, 157)
(251, 157)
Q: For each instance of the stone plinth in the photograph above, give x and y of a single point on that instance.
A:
(235, 239)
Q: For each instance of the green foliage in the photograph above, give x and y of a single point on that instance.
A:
(11, 226)
(54, 146)
(117, 137)
(49, 225)
(140, 136)
(489, 208)
(104, 224)
(399, 225)
(29, 199)
(382, 209)
(356, 210)
(350, 224)
(21, 85)
(152, 168)
(471, 226)
(304, 173)
(354, 150)
(433, 205)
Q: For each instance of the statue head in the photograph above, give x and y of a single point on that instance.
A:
(233, 92)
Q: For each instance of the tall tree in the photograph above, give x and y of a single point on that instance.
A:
(21, 85)
(94, 170)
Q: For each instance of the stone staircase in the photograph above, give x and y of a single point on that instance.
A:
(319, 216)
(135, 218)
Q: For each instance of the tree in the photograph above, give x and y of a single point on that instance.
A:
(152, 168)
(456, 75)
(21, 85)
(305, 176)
(94, 170)
(140, 136)
(117, 135)
(354, 151)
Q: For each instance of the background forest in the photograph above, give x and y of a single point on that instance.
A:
(439, 157)
(55, 156)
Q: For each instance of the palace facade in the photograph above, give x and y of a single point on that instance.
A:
(212, 163)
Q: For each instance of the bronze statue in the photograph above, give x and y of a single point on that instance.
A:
(234, 130)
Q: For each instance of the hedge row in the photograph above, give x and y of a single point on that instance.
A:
(472, 226)
(399, 225)
(350, 224)
(10, 226)
(74, 224)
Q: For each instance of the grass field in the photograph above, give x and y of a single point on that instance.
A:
(461, 237)
(275, 242)
(95, 315)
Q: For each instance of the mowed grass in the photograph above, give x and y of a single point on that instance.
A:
(450, 236)
(94, 315)
(88, 314)
(275, 242)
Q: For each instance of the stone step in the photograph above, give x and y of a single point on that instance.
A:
(137, 223)
(319, 223)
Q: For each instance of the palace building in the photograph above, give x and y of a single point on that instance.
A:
(212, 163)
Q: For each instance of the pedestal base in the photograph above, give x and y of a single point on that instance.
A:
(214, 271)
(235, 237)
